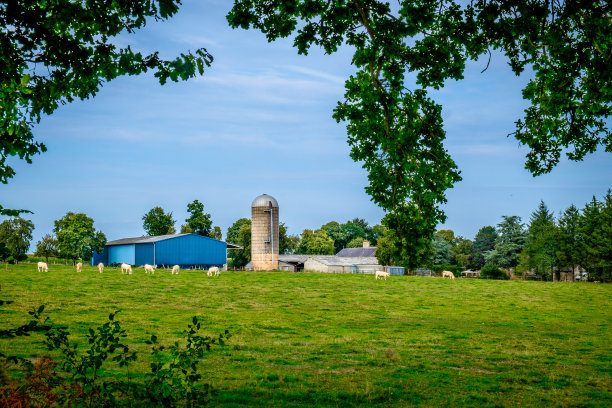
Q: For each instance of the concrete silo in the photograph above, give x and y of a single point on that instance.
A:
(264, 233)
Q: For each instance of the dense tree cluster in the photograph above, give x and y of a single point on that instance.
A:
(158, 222)
(15, 236)
(77, 238)
(576, 239)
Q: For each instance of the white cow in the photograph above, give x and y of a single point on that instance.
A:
(79, 267)
(42, 267)
(127, 268)
(175, 269)
(213, 271)
(101, 267)
(448, 274)
(381, 274)
(149, 269)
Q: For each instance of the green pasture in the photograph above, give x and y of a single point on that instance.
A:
(314, 339)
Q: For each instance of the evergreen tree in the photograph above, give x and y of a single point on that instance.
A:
(541, 243)
(590, 237)
(483, 242)
(568, 252)
(509, 244)
(606, 236)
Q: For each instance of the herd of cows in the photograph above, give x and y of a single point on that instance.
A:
(212, 271)
(127, 269)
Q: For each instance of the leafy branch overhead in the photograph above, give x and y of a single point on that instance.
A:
(53, 52)
(395, 129)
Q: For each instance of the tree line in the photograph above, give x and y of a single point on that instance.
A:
(329, 239)
(547, 245)
(75, 238)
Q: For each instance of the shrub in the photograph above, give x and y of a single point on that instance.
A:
(73, 379)
(490, 271)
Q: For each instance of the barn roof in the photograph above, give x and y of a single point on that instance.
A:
(155, 238)
(353, 252)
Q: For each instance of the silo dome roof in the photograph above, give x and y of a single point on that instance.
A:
(264, 200)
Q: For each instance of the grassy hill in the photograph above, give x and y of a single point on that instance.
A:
(346, 340)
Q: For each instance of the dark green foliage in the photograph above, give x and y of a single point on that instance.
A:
(53, 52)
(199, 222)
(15, 235)
(490, 271)
(240, 234)
(483, 242)
(395, 129)
(540, 248)
(77, 238)
(316, 243)
(46, 247)
(75, 376)
(157, 222)
(287, 244)
(509, 244)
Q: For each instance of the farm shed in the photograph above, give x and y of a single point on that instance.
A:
(293, 263)
(186, 250)
(338, 264)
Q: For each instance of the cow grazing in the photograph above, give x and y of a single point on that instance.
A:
(42, 267)
(127, 268)
(382, 275)
(101, 267)
(213, 271)
(448, 274)
(149, 269)
(175, 269)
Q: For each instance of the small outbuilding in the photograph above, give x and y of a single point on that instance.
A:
(186, 250)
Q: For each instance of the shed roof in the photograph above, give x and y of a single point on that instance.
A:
(155, 238)
(353, 252)
(296, 258)
(345, 261)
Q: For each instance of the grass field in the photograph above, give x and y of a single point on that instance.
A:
(313, 339)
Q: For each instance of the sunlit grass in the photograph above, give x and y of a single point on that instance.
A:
(337, 340)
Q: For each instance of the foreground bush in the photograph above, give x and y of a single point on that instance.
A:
(73, 379)
(490, 271)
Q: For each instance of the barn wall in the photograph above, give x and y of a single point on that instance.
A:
(144, 254)
(190, 250)
(121, 254)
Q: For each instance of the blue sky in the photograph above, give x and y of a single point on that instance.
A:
(259, 121)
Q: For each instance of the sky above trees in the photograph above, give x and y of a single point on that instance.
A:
(259, 121)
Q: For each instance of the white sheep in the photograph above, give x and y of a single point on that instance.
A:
(79, 267)
(127, 268)
(448, 274)
(381, 274)
(213, 271)
(42, 267)
(149, 269)
(175, 269)
(101, 267)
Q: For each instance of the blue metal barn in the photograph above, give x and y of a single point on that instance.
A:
(186, 250)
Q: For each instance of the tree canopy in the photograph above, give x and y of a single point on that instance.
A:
(198, 221)
(157, 222)
(395, 128)
(15, 235)
(77, 237)
(53, 52)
